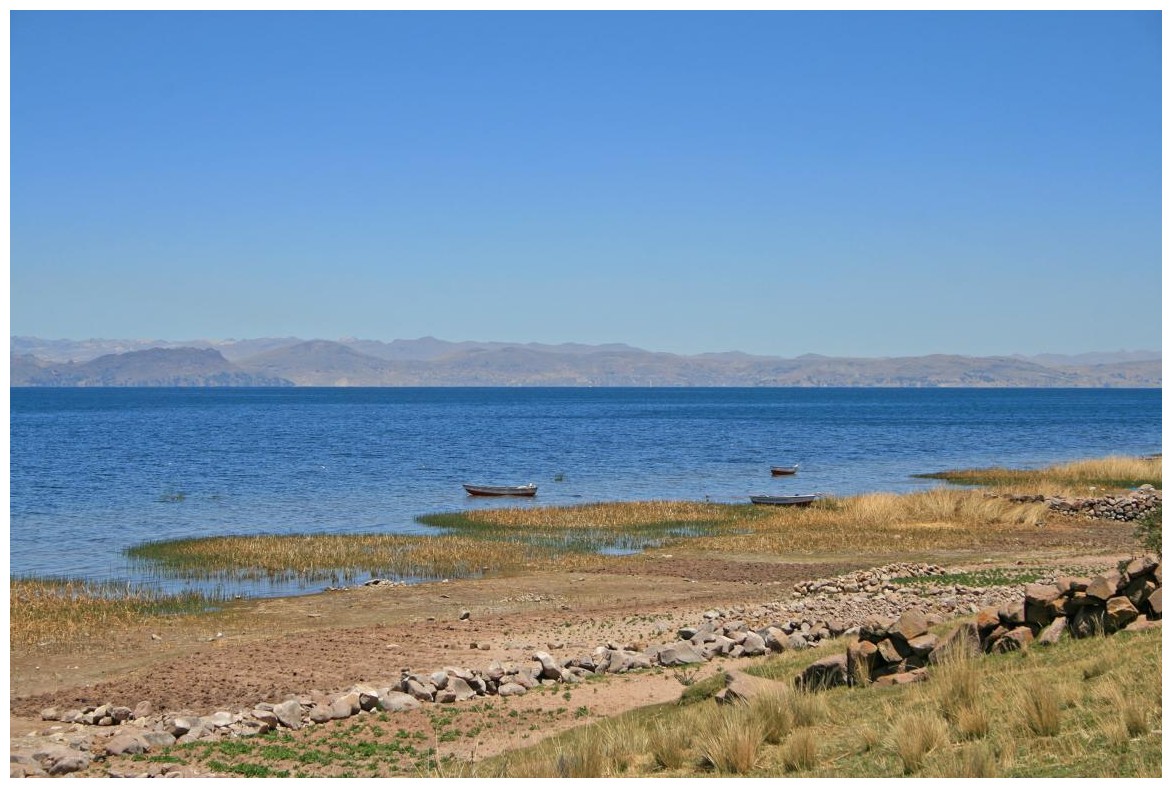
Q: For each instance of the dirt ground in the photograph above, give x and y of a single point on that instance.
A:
(265, 650)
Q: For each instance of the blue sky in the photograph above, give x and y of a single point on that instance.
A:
(844, 183)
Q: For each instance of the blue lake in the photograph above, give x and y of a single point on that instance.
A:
(94, 471)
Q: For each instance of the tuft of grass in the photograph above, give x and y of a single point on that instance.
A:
(915, 736)
(1042, 710)
(800, 752)
(775, 713)
(731, 741)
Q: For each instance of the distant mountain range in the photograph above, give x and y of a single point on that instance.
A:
(433, 362)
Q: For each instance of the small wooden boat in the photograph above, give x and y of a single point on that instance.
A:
(490, 489)
(784, 470)
(783, 500)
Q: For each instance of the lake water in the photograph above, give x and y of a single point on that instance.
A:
(94, 471)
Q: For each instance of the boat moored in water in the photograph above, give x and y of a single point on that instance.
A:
(499, 490)
(784, 470)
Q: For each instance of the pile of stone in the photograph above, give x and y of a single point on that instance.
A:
(868, 581)
(1129, 598)
(899, 651)
(1104, 507)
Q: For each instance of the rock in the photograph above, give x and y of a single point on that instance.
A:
(1050, 635)
(64, 761)
(826, 672)
(461, 690)
(1068, 585)
(679, 653)
(179, 726)
(419, 691)
(1142, 566)
(265, 716)
(796, 642)
(1120, 612)
(860, 660)
(465, 615)
(221, 719)
(507, 689)
(888, 651)
(397, 701)
(742, 687)
(51, 713)
(910, 625)
(321, 713)
(126, 744)
(754, 644)
(987, 620)
(1014, 640)
(345, 706)
(549, 667)
(144, 709)
(923, 645)
(1104, 587)
(774, 638)
(156, 739)
(1155, 603)
(289, 714)
(121, 713)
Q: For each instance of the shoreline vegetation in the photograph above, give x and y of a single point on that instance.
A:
(512, 541)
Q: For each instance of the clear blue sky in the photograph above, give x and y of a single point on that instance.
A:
(778, 182)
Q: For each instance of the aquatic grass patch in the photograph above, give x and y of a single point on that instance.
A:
(609, 515)
(880, 524)
(341, 557)
(1114, 472)
(48, 612)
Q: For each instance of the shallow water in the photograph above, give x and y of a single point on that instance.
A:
(94, 471)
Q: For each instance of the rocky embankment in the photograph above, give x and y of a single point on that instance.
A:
(899, 650)
(1105, 507)
(893, 645)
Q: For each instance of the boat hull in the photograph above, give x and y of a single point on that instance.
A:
(782, 471)
(783, 500)
(522, 491)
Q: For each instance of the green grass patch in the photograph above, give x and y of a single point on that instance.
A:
(977, 578)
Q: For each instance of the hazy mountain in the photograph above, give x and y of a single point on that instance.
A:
(434, 362)
(152, 367)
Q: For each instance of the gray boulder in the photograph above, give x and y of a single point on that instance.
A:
(393, 700)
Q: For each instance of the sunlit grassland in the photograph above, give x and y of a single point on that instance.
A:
(1114, 472)
(1087, 708)
(48, 612)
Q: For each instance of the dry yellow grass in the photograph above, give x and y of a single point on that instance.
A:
(344, 556)
(616, 515)
(53, 612)
(1069, 478)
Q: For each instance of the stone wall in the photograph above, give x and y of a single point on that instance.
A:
(900, 650)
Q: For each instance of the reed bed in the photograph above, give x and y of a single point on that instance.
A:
(49, 612)
(940, 519)
(1114, 472)
(343, 557)
(612, 516)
